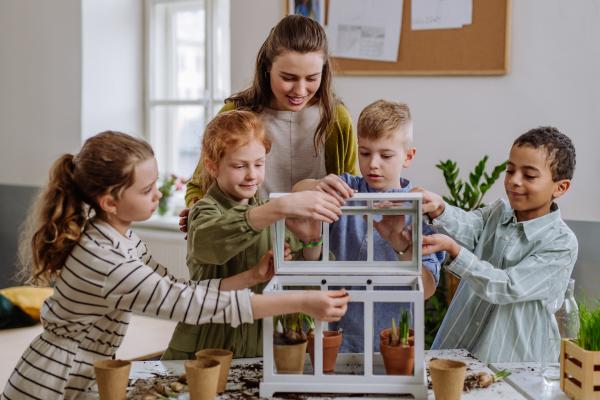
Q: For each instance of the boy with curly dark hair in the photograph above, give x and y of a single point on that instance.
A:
(509, 254)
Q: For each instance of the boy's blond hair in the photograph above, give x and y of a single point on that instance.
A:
(384, 119)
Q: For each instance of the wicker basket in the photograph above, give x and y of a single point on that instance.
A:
(579, 371)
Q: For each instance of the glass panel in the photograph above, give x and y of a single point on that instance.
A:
(178, 49)
(176, 135)
(393, 354)
(351, 326)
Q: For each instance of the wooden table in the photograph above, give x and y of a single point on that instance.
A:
(243, 381)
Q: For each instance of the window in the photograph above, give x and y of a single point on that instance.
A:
(187, 76)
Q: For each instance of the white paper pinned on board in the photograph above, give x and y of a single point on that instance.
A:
(440, 14)
(365, 29)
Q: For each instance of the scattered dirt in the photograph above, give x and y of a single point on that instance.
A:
(142, 386)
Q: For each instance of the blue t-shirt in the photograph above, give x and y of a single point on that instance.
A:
(347, 241)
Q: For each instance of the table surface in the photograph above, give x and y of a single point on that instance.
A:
(246, 373)
(526, 378)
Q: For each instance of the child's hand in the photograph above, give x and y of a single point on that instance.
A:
(311, 205)
(336, 187)
(391, 229)
(438, 242)
(433, 204)
(327, 306)
(304, 229)
(265, 269)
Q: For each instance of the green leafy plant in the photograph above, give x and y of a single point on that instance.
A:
(588, 336)
(293, 332)
(399, 337)
(469, 195)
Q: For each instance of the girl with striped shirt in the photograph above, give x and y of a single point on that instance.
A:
(80, 238)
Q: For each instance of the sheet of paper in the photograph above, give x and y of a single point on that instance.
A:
(440, 14)
(365, 29)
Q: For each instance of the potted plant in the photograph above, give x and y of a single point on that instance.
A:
(289, 344)
(397, 351)
(579, 359)
(331, 345)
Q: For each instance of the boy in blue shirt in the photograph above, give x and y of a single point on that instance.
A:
(514, 257)
(385, 133)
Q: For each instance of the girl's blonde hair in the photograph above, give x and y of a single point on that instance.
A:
(105, 165)
(302, 35)
(226, 133)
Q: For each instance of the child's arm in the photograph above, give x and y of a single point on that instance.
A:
(526, 281)
(307, 205)
(328, 306)
(465, 227)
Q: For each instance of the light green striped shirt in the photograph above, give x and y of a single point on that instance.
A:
(498, 310)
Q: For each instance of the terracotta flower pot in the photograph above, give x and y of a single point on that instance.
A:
(397, 360)
(222, 356)
(112, 377)
(289, 359)
(447, 378)
(384, 335)
(331, 345)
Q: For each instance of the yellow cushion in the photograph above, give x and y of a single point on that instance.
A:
(28, 298)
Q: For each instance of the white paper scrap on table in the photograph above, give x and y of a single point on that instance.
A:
(365, 29)
(440, 14)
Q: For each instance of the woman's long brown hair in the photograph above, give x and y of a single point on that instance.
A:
(105, 165)
(303, 35)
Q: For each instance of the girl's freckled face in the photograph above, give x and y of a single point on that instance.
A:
(241, 172)
(295, 79)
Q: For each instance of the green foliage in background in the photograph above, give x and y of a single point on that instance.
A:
(472, 191)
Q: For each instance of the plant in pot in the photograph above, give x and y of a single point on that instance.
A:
(580, 358)
(331, 345)
(397, 351)
(289, 344)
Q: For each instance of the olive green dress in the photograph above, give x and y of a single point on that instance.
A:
(223, 243)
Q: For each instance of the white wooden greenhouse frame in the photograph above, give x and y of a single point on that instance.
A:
(367, 273)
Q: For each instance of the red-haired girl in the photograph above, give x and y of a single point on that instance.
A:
(227, 234)
(80, 238)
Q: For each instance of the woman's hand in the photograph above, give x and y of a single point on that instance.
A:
(327, 306)
(334, 186)
(438, 242)
(183, 218)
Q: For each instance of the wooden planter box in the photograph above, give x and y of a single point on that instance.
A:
(579, 372)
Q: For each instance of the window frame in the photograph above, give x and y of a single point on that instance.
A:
(208, 101)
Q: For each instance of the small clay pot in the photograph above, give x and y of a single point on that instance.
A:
(385, 335)
(202, 378)
(331, 345)
(222, 356)
(447, 378)
(397, 360)
(289, 358)
(112, 377)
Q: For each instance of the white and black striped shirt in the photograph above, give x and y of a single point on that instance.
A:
(105, 278)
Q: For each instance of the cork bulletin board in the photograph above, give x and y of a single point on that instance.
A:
(482, 48)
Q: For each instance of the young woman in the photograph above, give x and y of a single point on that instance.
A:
(310, 129)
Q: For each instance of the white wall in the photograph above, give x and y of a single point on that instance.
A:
(40, 86)
(555, 61)
(112, 86)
